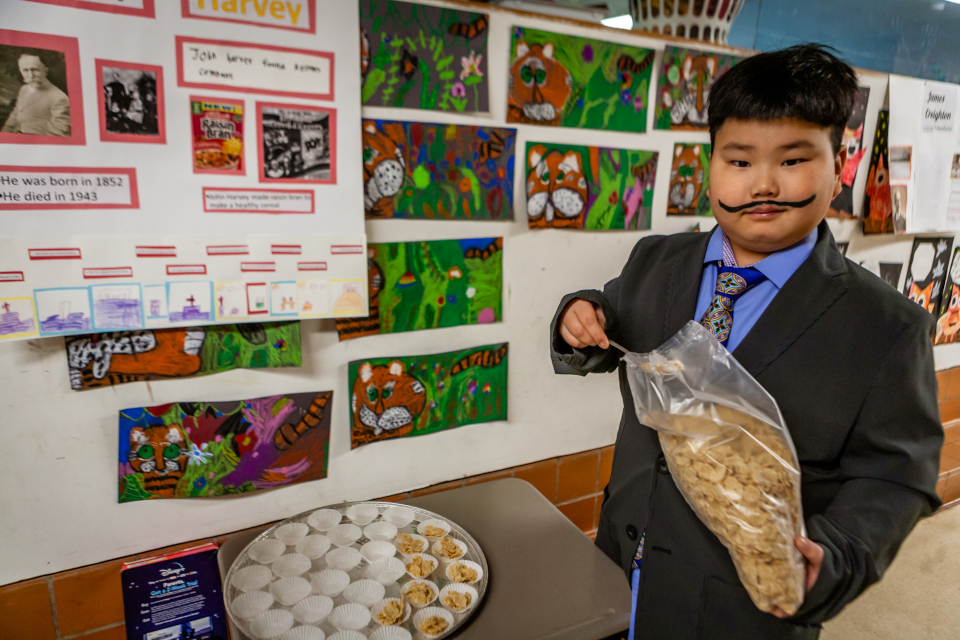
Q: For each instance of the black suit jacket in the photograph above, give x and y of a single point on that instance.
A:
(850, 363)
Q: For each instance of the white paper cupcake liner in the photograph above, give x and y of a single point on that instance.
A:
(466, 563)
(391, 633)
(266, 551)
(458, 587)
(376, 549)
(290, 591)
(379, 606)
(433, 587)
(330, 582)
(324, 519)
(344, 535)
(433, 522)
(293, 564)
(426, 559)
(251, 604)
(347, 635)
(425, 549)
(362, 514)
(304, 632)
(385, 570)
(312, 610)
(313, 546)
(349, 617)
(253, 577)
(428, 612)
(364, 592)
(343, 558)
(380, 531)
(289, 534)
(271, 624)
(435, 550)
(398, 516)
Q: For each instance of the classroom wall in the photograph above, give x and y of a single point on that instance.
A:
(58, 485)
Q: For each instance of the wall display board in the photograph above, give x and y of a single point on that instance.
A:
(193, 449)
(430, 284)
(923, 150)
(842, 205)
(200, 171)
(581, 187)
(423, 57)
(417, 395)
(437, 171)
(565, 81)
(683, 86)
(689, 181)
(927, 271)
(104, 359)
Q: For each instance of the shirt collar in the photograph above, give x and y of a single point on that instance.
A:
(778, 266)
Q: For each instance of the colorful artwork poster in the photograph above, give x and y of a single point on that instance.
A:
(579, 187)
(890, 273)
(422, 57)
(430, 284)
(565, 81)
(683, 87)
(418, 395)
(948, 324)
(223, 448)
(877, 201)
(437, 171)
(689, 181)
(105, 359)
(927, 272)
(842, 205)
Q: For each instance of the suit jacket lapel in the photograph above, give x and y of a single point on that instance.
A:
(683, 288)
(806, 296)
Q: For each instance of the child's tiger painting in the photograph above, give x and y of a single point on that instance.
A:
(927, 276)
(581, 187)
(683, 86)
(689, 178)
(560, 80)
(384, 163)
(196, 449)
(417, 395)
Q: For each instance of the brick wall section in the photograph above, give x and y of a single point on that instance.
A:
(86, 603)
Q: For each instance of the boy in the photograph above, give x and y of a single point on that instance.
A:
(848, 360)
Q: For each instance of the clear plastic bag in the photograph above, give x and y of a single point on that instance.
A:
(730, 453)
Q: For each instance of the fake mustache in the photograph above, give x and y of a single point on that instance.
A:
(776, 203)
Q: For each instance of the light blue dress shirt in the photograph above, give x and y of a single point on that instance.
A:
(778, 267)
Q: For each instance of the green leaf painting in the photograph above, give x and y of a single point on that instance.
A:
(103, 359)
(566, 81)
(422, 57)
(689, 181)
(431, 284)
(437, 171)
(417, 395)
(196, 449)
(578, 187)
(683, 87)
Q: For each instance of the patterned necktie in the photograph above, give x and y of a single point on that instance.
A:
(732, 282)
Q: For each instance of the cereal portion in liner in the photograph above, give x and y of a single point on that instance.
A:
(419, 593)
(409, 545)
(434, 625)
(392, 613)
(456, 600)
(420, 568)
(431, 531)
(462, 573)
(448, 549)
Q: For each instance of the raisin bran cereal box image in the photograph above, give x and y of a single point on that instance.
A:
(217, 136)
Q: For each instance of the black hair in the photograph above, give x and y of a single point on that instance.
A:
(804, 82)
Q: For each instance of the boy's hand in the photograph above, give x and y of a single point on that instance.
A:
(582, 325)
(813, 555)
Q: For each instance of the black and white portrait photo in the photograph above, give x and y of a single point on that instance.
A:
(297, 143)
(129, 101)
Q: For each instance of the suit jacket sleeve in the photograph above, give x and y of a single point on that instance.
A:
(890, 465)
(565, 358)
(59, 124)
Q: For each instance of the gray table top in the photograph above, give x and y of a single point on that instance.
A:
(547, 580)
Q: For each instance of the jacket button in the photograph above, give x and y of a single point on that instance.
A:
(631, 532)
(662, 465)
